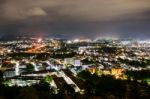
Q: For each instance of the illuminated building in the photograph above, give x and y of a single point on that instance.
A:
(55, 43)
(92, 70)
(117, 72)
(72, 61)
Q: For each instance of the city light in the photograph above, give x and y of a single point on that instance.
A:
(39, 40)
(31, 62)
(76, 40)
(69, 41)
(75, 49)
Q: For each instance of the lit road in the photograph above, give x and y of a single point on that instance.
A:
(16, 67)
(35, 67)
(69, 81)
(52, 66)
(38, 47)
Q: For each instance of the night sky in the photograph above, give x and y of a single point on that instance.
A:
(75, 18)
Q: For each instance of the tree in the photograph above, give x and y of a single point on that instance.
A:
(84, 75)
(1, 76)
(27, 93)
(48, 79)
(29, 67)
(67, 89)
(102, 85)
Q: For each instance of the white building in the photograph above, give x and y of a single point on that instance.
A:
(72, 61)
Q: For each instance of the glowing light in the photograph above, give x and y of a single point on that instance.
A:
(69, 42)
(39, 40)
(76, 40)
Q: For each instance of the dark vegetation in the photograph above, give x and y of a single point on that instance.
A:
(103, 87)
(110, 50)
(139, 75)
(42, 56)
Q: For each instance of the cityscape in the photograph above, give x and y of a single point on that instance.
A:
(63, 63)
(74, 49)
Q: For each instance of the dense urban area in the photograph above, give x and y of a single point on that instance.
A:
(33, 68)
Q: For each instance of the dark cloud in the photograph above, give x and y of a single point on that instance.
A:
(91, 18)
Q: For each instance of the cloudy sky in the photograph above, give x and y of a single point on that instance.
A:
(75, 18)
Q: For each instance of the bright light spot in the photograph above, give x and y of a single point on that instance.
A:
(76, 40)
(69, 42)
(39, 40)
